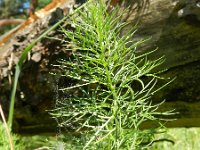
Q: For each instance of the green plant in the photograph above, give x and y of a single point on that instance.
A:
(8, 140)
(5, 143)
(108, 99)
(17, 144)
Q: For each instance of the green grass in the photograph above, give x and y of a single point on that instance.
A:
(184, 139)
(17, 144)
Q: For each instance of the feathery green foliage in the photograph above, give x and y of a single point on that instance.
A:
(109, 100)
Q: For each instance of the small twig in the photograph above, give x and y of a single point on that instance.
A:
(10, 21)
(42, 148)
(10, 68)
(163, 140)
(159, 140)
(7, 129)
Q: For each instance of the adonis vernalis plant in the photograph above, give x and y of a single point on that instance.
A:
(108, 100)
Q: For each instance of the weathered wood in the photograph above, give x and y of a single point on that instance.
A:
(173, 27)
(35, 93)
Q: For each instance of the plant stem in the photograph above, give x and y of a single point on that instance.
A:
(115, 122)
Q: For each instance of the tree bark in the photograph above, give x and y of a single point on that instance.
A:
(10, 21)
(173, 28)
(33, 5)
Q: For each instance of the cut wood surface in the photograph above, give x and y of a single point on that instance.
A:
(173, 26)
